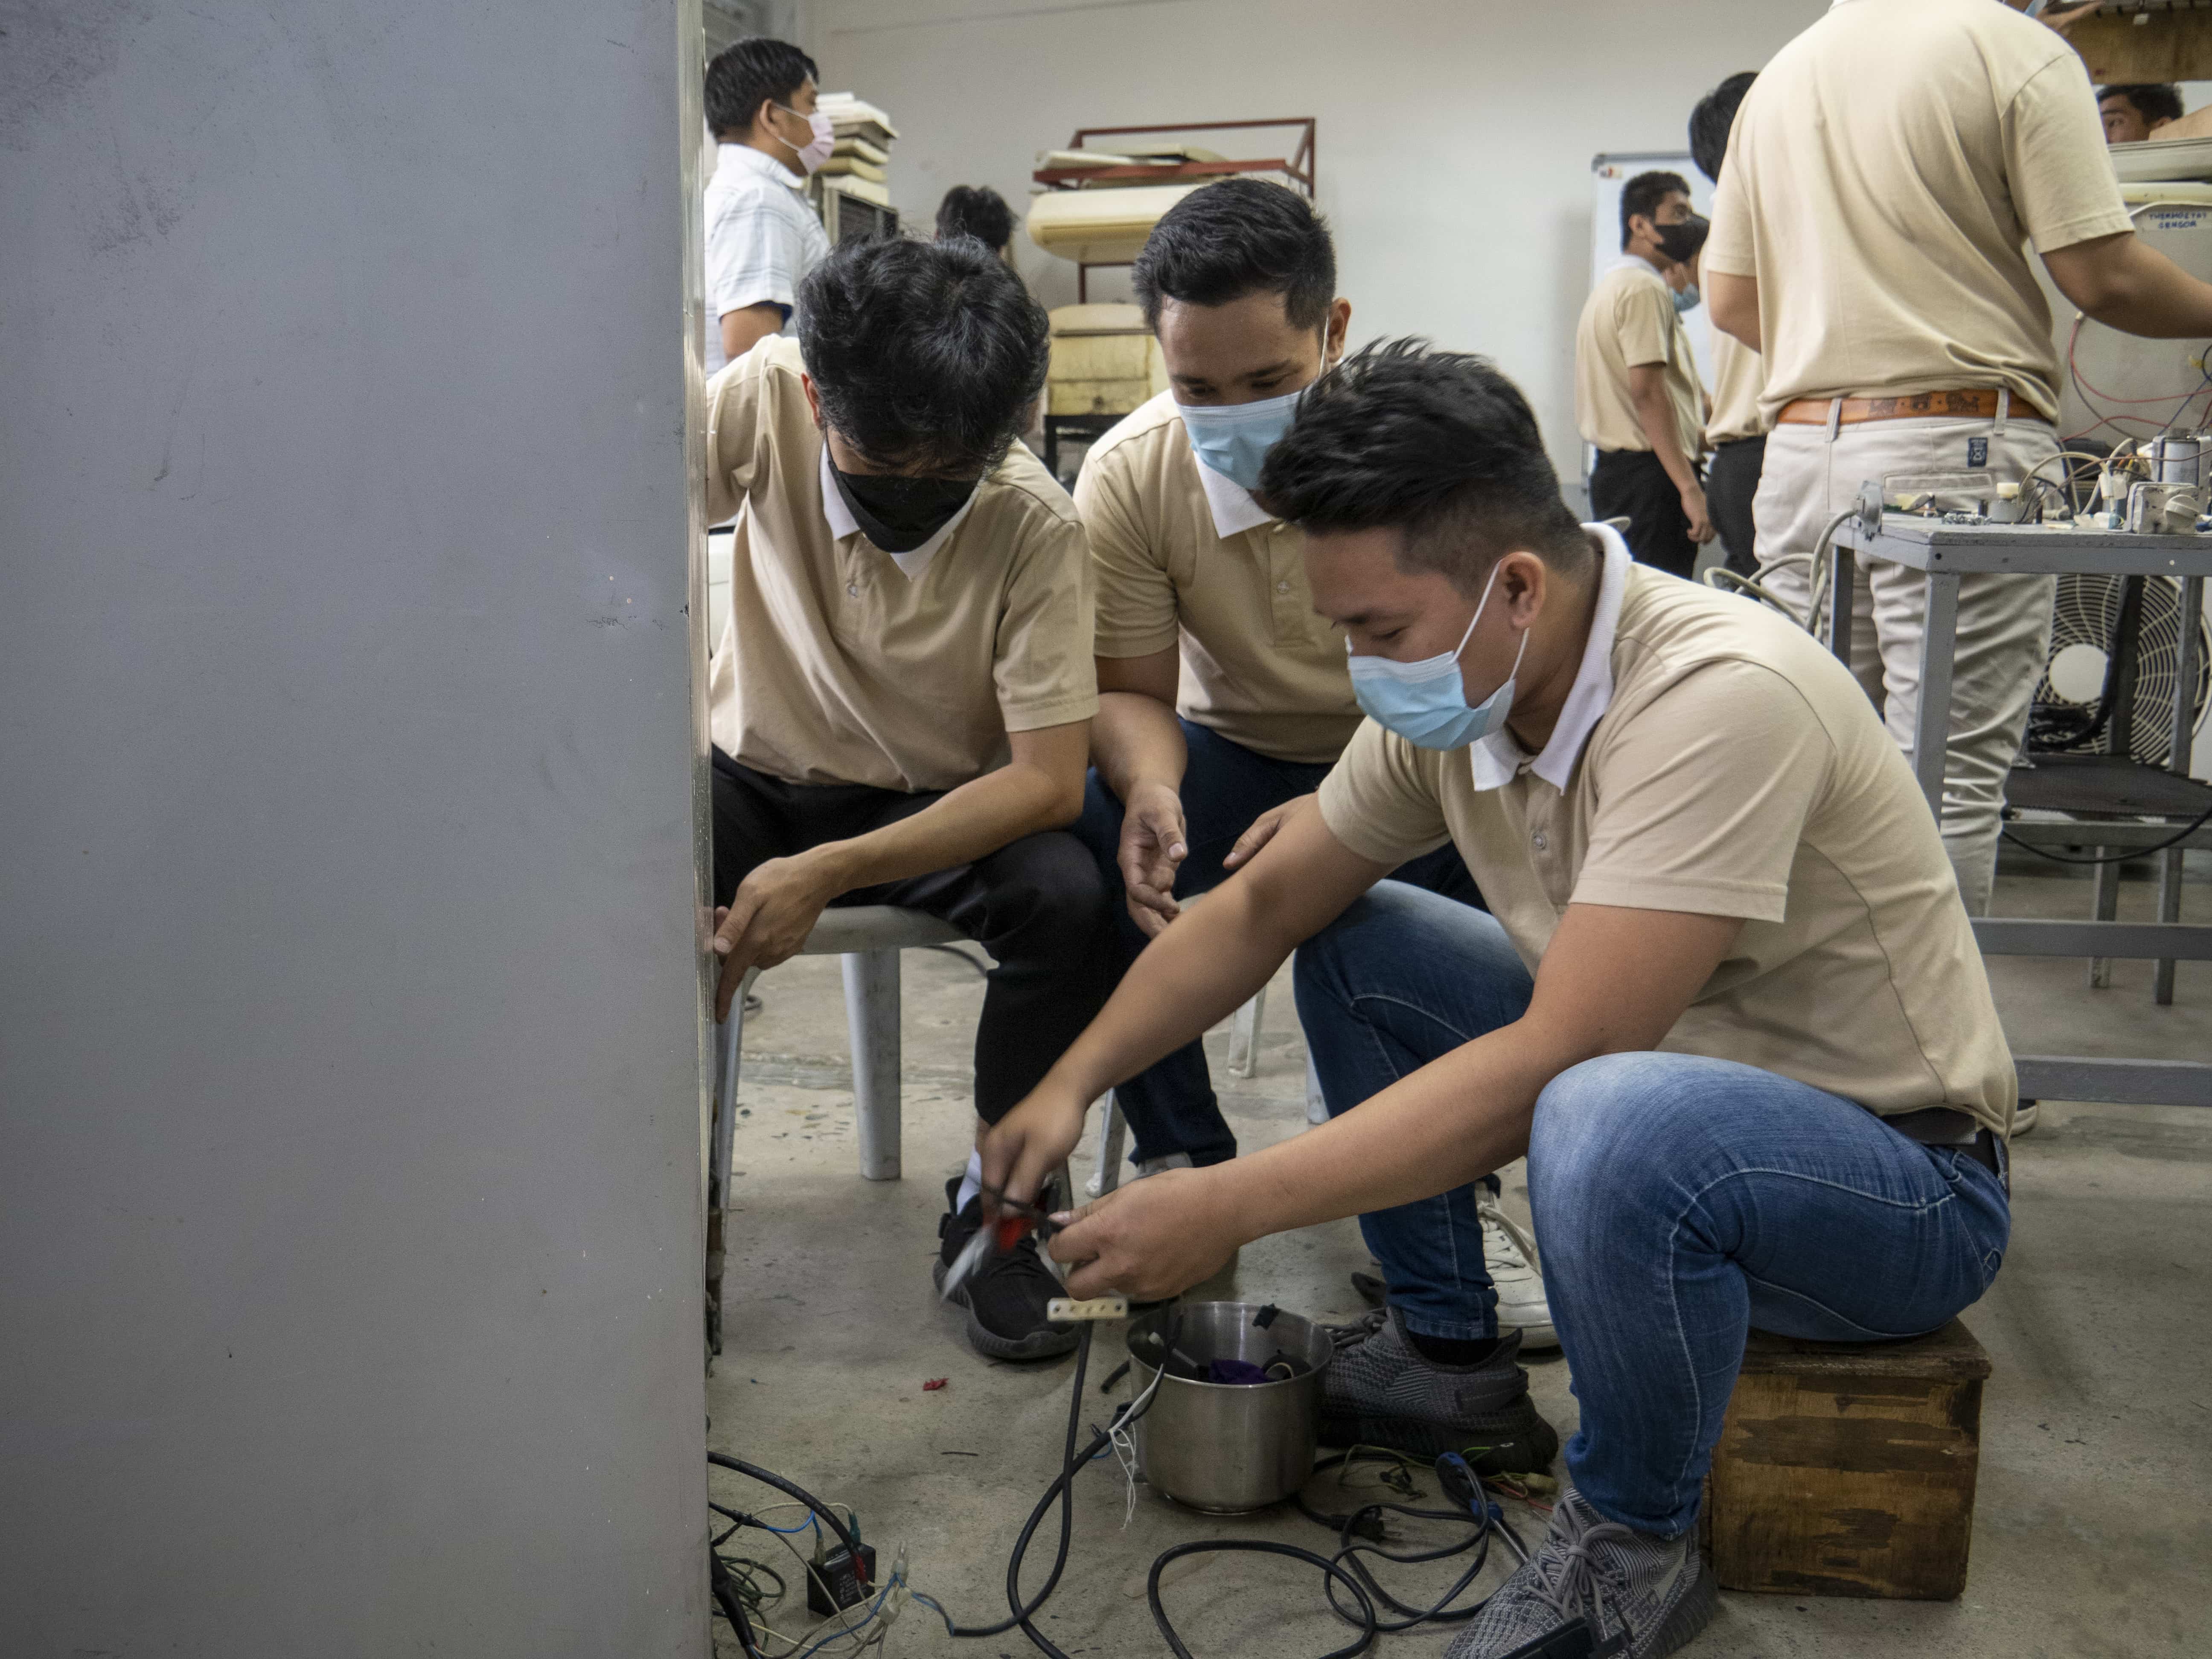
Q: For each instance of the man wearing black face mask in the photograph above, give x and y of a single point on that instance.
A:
(901, 702)
(1637, 398)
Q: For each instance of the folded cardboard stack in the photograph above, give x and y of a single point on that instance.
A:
(1104, 361)
(864, 135)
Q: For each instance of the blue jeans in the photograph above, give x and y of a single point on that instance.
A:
(1679, 1203)
(1170, 1107)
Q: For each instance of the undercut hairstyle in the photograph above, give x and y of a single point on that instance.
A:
(975, 210)
(1436, 445)
(1645, 194)
(925, 355)
(2154, 100)
(1241, 236)
(1712, 120)
(743, 77)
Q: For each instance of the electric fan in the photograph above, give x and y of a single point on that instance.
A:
(2072, 702)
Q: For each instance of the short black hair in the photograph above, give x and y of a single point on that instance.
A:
(1710, 122)
(2154, 100)
(1437, 444)
(1645, 194)
(976, 211)
(925, 355)
(754, 72)
(1241, 236)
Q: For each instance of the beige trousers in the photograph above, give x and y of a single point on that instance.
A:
(2005, 622)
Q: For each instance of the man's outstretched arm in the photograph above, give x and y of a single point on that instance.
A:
(1204, 967)
(1614, 981)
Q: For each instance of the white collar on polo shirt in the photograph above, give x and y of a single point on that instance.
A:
(1230, 503)
(911, 563)
(758, 162)
(1495, 759)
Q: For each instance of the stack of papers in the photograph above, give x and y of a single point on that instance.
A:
(859, 164)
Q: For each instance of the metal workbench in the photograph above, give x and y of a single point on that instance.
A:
(1947, 552)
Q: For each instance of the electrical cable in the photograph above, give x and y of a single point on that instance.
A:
(2174, 840)
(1362, 1532)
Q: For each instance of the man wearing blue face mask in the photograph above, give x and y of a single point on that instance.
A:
(1728, 1001)
(1222, 696)
(1637, 398)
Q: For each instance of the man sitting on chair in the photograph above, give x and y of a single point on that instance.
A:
(901, 701)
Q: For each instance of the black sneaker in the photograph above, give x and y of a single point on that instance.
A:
(1006, 1297)
(1380, 1391)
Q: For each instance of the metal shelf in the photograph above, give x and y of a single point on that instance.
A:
(1946, 552)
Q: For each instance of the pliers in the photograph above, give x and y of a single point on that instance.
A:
(996, 1238)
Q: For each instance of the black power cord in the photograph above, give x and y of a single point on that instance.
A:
(2173, 840)
(1344, 1568)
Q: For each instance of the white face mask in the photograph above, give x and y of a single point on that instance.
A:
(811, 154)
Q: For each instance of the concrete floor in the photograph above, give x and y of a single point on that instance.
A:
(2094, 1529)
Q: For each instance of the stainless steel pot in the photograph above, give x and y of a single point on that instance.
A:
(1227, 1447)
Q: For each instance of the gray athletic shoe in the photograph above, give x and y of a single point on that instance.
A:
(1379, 1391)
(1648, 1594)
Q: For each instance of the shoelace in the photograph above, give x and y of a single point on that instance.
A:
(1570, 1576)
(1515, 1248)
(1351, 1335)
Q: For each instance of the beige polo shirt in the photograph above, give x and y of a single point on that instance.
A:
(1712, 758)
(1884, 171)
(840, 664)
(1738, 376)
(1183, 555)
(1628, 321)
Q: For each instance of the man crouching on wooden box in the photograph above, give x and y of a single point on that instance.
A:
(1728, 1003)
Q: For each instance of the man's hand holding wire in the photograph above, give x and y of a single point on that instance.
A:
(1148, 1240)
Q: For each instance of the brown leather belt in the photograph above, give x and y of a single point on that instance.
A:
(1978, 405)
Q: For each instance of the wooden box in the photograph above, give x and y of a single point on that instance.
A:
(1848, 1469)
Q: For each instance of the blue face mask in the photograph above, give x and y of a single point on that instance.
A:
(1424, 702)
(1687, 299)
(1234, 439)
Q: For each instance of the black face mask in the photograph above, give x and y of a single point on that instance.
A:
(1679, 242)
(899, 515)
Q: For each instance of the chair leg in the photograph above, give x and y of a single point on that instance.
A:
(871, 1016)
(730, 1041)
(1244, 1035)
(1113, 1147)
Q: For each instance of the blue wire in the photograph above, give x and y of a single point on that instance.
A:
(801, 1527)
(897, 1579)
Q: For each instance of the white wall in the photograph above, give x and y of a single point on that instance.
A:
(1455, 137)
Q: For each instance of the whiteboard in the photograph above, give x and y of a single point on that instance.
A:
(1608, 174)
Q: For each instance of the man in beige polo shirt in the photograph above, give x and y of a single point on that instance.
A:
(1868, 237)
(901, 702)
(1728, 1003)
(1735, 432)
(1638, 398)
(1222, 694)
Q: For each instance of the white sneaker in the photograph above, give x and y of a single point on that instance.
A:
(1511, 1255)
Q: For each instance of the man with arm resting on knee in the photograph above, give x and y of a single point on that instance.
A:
(901, 701)
(1728, 1003)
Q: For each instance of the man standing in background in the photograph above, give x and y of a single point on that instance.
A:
(2133, 113)
(762, 236)
(1636, 395)
(978, 211)
(1883, 178)
(1735, 433)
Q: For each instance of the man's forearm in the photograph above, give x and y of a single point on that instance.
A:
(1457, 1119)
(1655, 413)
(2125, 284)
(970, 822)
(1136, 739)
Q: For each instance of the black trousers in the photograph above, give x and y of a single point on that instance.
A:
(1036, 905)
(1632, 484)
(1731, 485)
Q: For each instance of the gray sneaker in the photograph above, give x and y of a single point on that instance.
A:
(1379, 1391)
(1640, 1595)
